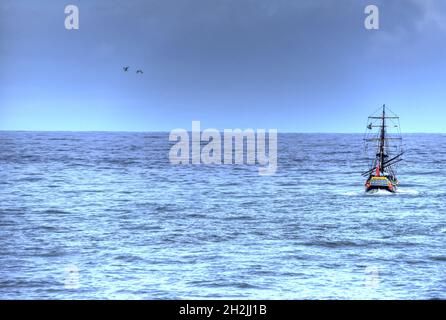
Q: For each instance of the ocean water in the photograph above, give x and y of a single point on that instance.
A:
(105, 216)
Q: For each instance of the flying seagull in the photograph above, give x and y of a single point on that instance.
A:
(125, 69)
(139, 71)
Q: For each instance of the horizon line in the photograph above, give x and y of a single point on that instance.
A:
(162, 131)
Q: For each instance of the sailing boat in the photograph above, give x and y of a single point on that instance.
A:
(383, 145)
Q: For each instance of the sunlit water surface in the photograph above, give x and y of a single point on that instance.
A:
(105, 216)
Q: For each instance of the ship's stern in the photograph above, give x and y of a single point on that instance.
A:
(381, 183)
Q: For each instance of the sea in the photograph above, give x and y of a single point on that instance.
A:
(102, 215)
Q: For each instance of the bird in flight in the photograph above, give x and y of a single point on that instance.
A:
(125, 69)
(139, 71)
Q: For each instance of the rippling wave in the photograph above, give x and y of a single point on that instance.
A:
(104, 215)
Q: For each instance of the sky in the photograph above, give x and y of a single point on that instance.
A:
(291, 65)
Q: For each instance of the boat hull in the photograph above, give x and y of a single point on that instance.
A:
(376, 189)
(376, 183)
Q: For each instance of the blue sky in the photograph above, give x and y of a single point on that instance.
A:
(298, 66)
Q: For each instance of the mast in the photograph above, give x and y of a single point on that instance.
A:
(380, 156)
(382, 141)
